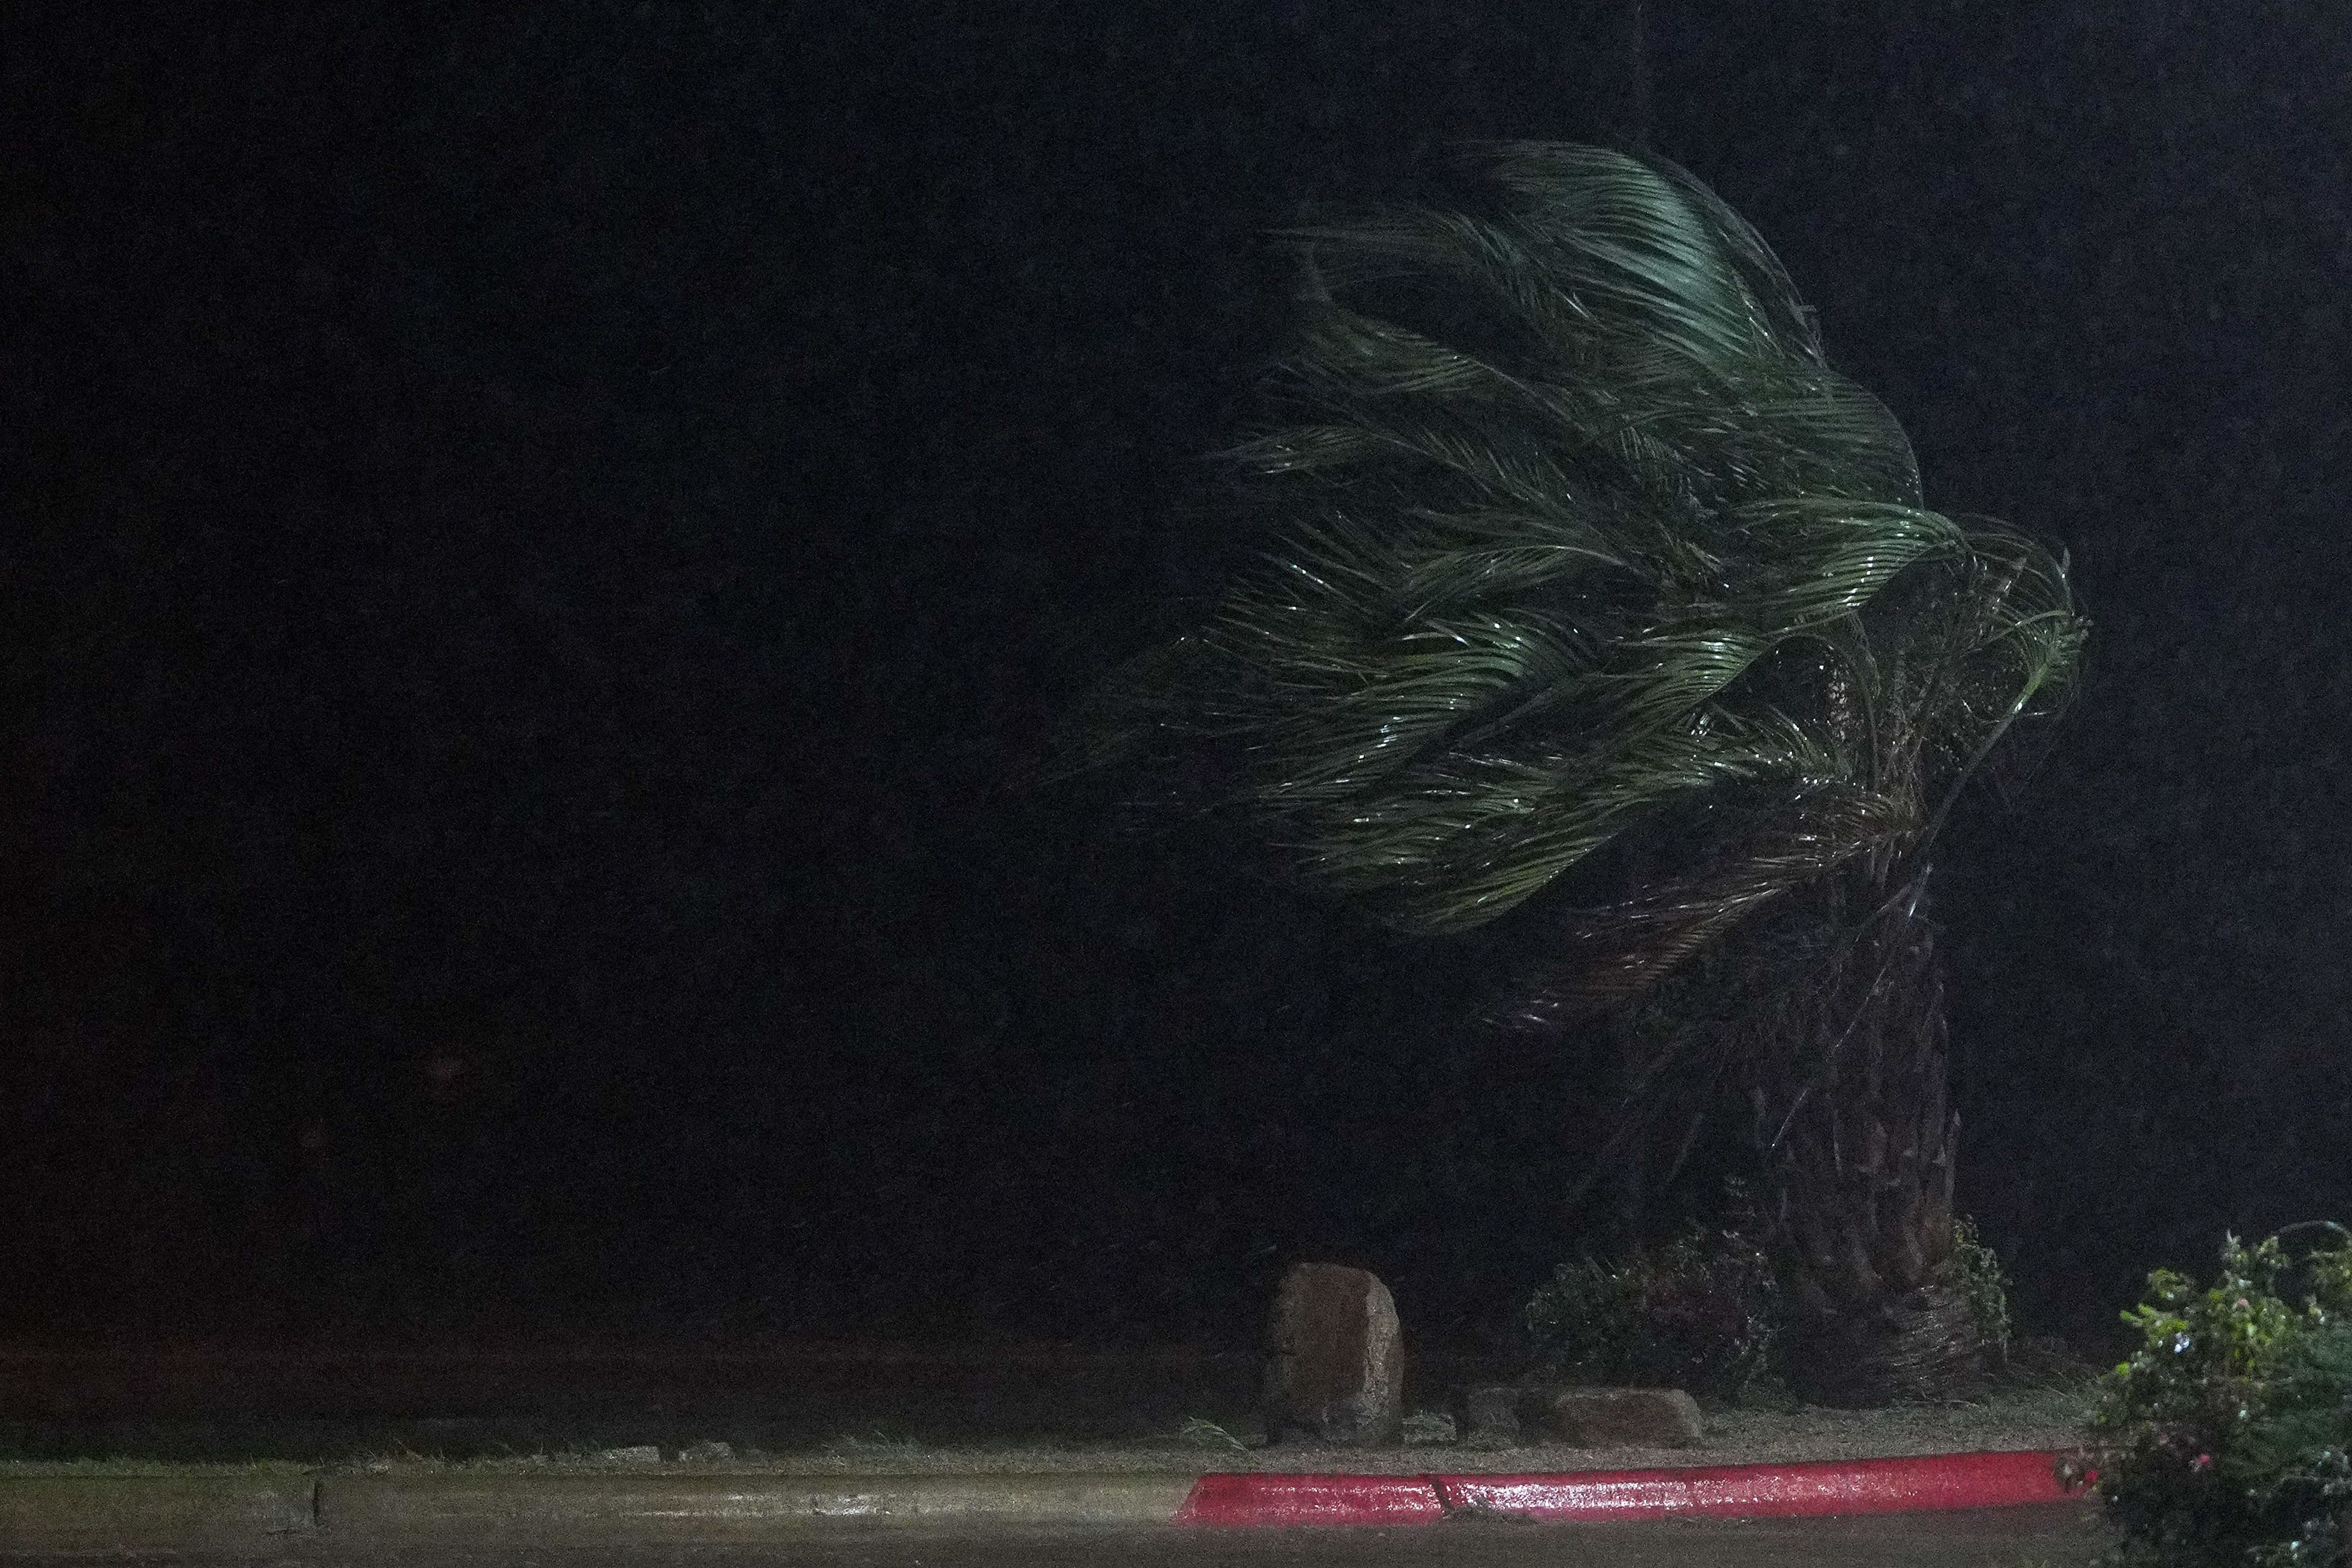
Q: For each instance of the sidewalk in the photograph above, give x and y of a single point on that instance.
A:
(718, 1447)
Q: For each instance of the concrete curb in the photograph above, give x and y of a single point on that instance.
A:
(632, 1508)
(146, 1513)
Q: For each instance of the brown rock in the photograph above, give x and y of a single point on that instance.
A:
(1640, 1417)
(1334, 1360)
(1487, 1415)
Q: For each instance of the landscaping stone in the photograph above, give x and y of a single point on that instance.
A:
(1430, 1429)
(1607, 1417)
(1487, 1415)
(1333, 1361)
(1508, 1415)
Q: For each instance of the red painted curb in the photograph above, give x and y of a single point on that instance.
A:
(1918, 1484)
(1831, 1486)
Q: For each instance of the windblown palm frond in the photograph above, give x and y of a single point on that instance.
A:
(1575, 530)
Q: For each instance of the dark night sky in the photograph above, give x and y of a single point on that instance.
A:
(539, 537)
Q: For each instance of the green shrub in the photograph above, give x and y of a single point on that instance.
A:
(1975, 1269)
(1703, 1312)
(2222, 1439)
(1699, 1313)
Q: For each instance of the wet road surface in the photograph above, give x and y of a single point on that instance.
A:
(2062, 1535)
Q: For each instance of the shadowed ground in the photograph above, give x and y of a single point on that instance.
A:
(830, 1410)
(2060, 1536)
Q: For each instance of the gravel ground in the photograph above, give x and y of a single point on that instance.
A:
(2014, 1419)
(1101, 1414)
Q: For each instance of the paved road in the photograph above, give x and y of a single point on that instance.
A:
(2060, 1536)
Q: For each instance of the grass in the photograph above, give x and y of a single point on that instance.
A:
(1202, 1432)
(30, 1469)
(2042, 1388)
(2042, 1399)
(874, 1444)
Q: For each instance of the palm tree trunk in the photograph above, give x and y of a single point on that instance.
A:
(1859, 1144)
(1620, 1198)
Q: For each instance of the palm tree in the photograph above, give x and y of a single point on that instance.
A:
(1598, 601)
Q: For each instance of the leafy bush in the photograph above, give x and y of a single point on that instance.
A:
(2223, 1439)
(1703, 1312)
(1975, 1271)
(1699, 1312)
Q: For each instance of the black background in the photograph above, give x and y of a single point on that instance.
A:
(539, 537)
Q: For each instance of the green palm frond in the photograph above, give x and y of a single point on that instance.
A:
(1574, 530)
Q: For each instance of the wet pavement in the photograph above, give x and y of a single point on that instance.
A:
(2064, 1535)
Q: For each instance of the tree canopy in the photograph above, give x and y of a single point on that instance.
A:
(1572, 529)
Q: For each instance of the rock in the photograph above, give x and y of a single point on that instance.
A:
(1428, 1428)
(1642, 1417)
(1487, 1415)
(1334, 1360)
(1508, 1415)
(706, 1451)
